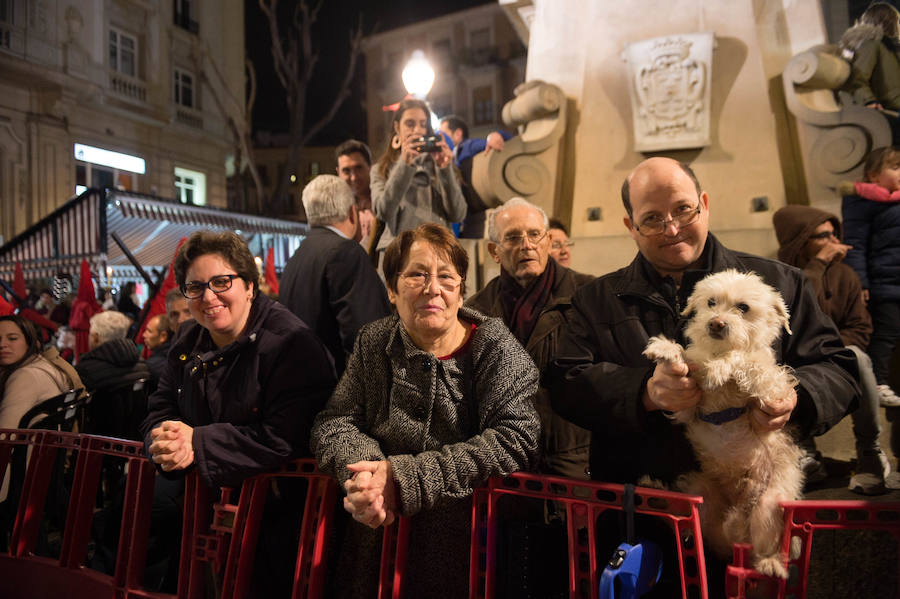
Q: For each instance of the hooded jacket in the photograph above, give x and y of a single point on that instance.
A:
(875, 66)
(111, 365)
(836, 285)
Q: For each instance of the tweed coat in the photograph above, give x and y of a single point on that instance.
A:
(445, 425)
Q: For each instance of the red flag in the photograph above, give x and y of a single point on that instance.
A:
(157, 304)
(19, 284)
(44, 325)
(6, 308)
(271, 277)
(84, 306)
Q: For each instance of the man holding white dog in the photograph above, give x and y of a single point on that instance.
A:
(599, 378)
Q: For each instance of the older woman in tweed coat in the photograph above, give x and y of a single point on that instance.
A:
(435, 400)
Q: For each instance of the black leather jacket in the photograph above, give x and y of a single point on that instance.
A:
(598, 376)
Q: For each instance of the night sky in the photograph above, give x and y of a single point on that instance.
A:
(331, 35)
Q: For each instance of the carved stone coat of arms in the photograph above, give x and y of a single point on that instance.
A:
(670, 91)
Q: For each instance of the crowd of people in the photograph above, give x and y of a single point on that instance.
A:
(411, 388)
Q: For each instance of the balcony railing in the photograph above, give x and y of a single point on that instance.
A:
(186, 116)
(128, 87)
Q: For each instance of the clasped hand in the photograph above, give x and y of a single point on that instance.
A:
(371, 497)
(172, 445)
(672, 388)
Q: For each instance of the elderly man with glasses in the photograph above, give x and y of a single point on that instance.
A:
(600, 379)
(531, 295)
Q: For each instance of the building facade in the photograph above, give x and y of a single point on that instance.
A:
(115, 93)
(270, 153)
(477, 57)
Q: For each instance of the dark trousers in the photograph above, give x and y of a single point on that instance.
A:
(886, 332)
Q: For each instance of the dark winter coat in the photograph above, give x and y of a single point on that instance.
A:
(111, 365)
(836, 285)
(157, 361)
(599, 375)
(252, 402)
(564, 446)
(331, 285)
(873, 229)
(445, 425)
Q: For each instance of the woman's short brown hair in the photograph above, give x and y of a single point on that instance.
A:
(227, 244)
(440, 238)
(879, 159)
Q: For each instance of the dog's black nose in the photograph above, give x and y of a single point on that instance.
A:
(717, 328)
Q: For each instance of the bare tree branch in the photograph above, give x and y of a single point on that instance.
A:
(344, 89)
(236, 116)
(279, 60)
(295, 58)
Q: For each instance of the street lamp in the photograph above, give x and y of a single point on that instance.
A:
(418, 76)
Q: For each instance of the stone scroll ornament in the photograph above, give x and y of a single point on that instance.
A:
(670, 91)
(521, 170)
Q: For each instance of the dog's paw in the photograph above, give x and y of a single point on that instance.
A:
(772, 565)
(660, 349)
(717, 373)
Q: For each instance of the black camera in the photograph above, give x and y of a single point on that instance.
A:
(429, 143)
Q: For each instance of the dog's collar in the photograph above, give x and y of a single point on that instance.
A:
(722, 416)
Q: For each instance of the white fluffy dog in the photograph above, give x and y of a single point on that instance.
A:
(745, 472)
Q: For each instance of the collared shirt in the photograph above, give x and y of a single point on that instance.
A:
(338, 231)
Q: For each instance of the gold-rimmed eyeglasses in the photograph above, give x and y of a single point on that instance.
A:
(683, 216)
(558, 245)
(419, 280)
(217, 284)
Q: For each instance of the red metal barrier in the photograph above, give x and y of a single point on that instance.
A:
(228, 542)
(584, 503)
(801, 520)
(23, 574)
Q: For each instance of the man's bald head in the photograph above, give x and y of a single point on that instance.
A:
(655, 166)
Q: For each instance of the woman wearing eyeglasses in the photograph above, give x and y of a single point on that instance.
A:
(435, 400)
(233, 399)
(239, 390)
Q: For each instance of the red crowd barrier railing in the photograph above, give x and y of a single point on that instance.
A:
(24, 574)
(584, 503)
(223, 535)
(227, 536)
(801, 520)
(229, 540)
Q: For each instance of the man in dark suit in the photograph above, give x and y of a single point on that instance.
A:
(329, 282)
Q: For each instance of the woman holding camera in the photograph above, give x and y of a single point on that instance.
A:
(414, 181)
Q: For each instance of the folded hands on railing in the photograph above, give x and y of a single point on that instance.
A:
(371, 493)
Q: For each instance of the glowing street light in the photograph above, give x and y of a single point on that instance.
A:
(418, 76)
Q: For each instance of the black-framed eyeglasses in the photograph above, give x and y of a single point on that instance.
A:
(513, 241)
(217, 284)
(419, 280)
(823, 235)
(654, 224)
